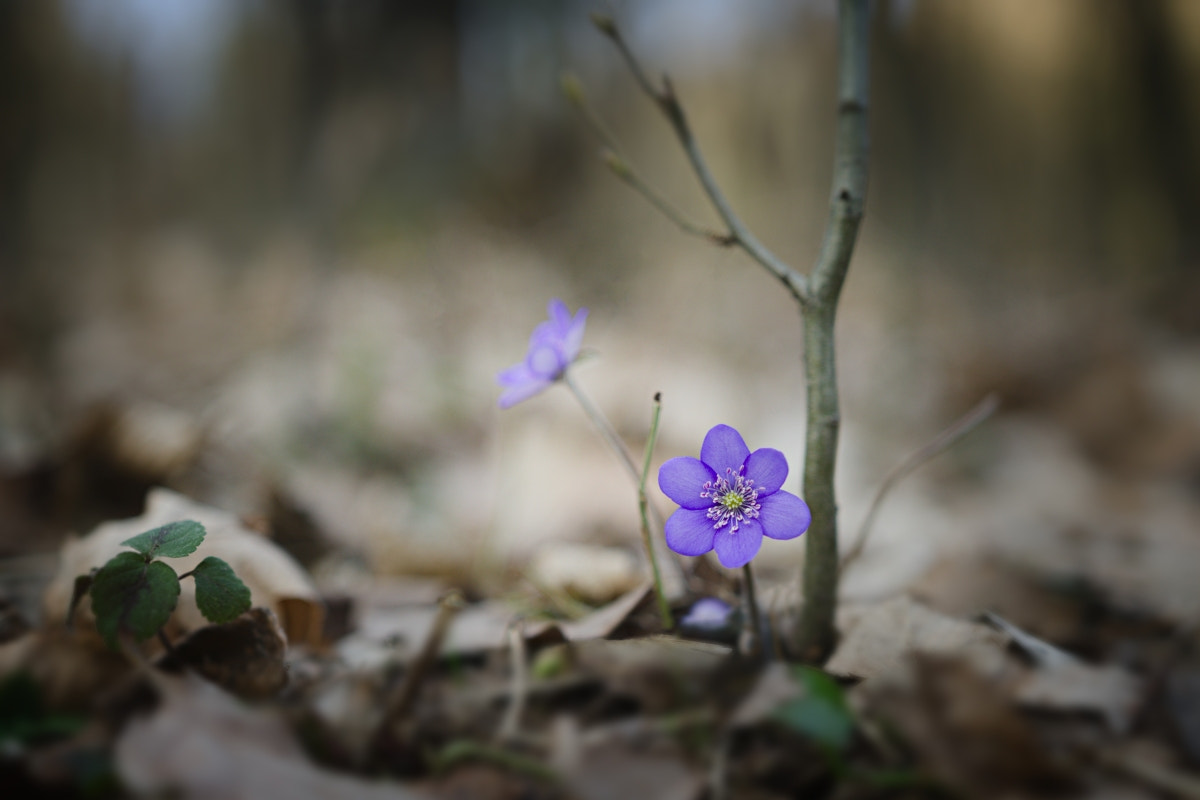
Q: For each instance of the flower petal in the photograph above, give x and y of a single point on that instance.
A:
(768, 469)
(736, 549)
(682, 479)
(573, 337)
(517, 391)
(689, 533)
(559, 314)
(784, 515)
(724, 448)
(515, 375)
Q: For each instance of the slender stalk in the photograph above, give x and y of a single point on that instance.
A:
(645, 510)
(960, 428)
(510, 725)
(398, 705)
(664, 608)
(621, 168)
(815, 634)
(752, 634)
(604, 427)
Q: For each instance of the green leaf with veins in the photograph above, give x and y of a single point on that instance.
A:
(173, 540)
(220, 594)
(129, 594)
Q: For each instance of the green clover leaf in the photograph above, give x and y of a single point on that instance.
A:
(220, 594)
(173, 540)
(132, 595)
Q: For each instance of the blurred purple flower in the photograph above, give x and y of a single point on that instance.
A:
(707, 613)
(552, 347)
(729, 499)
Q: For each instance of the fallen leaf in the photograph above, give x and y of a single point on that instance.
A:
(596, 625)
(878, 638)
(1109, 691)
(963, 729)
(618, 773)
(1062, 682)
(275, 580)
(72, 670)
(245, 657)
(396, 635)
(660, 671)
(201, 743)
(593, 573)
(775, 686)
(966, 586)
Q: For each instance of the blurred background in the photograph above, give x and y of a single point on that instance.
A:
(273, 253)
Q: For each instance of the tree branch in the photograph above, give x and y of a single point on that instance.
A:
(621, 167)
(667, 101)
(815, 633)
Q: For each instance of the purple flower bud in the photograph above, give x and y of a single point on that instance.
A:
(706, 614)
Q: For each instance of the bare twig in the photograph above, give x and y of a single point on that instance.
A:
(399, 704)
(718, 771)
(667, 101)
(510, 726)
(938, 444)
(664, 608)
(619, 163)
(621, 168)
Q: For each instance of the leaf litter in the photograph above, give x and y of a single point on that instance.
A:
(993, 675)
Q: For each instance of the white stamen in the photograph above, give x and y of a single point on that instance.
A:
(734, 499)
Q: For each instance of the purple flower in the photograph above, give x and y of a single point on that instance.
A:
(552, 347)
(729, 499)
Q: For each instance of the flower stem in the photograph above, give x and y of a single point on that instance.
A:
(605, 427)
(752, 638)
(609, 433)
(664, 608)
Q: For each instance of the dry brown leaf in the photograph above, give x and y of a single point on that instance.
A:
(245, 656)
(1061, 682)
(660, 671)
(202, 743)
(775, 686)
(396, 635)
(70, 669)
(276, 581)
(878, 638)
(1109, 691)
(591, 572)
(964, 730)
(596, 625)
(965, 586)
(617, 773)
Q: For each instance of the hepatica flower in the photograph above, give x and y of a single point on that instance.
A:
(552, 347)
(730, 498)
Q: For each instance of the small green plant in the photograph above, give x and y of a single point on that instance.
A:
(135, 592)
